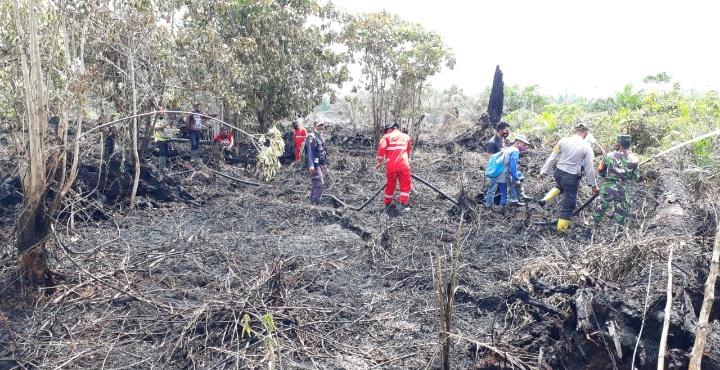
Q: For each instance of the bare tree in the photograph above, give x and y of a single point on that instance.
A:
(32, 226)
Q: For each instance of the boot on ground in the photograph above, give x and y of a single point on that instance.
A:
(563, 225)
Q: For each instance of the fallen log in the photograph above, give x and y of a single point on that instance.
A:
(607, 317)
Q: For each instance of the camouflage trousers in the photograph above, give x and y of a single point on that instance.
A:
(612, 192)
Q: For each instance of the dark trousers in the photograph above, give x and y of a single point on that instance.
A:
(163, 147)
(195, 139)
(568, 185)
(318, 184)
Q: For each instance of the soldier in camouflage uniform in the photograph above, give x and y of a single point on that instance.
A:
(618, 169)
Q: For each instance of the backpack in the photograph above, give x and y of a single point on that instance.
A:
(495, 165)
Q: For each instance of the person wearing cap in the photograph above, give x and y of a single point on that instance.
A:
(395, 147)
(316, 161)
(299, 133)
(225, 140)
(510, 173)
(566, 158)
(618, 169)
(195, 127)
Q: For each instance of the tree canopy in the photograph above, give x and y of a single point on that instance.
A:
(397, 58)
(267, 59)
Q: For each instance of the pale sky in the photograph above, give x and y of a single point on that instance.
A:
(592, 49)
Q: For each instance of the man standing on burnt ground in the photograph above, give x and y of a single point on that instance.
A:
(395, 146)
(316, 161)
(195, 128)
(567, 158)
(618, 169)
(299, 133)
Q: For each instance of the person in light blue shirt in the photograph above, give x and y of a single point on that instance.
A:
(511, 174)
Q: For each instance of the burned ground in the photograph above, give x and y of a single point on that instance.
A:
(168, 284)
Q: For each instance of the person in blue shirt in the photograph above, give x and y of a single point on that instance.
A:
(510, 173)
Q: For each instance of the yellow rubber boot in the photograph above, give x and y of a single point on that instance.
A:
(550, 194)
(563, 225)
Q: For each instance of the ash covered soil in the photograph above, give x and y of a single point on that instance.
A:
(169, 284)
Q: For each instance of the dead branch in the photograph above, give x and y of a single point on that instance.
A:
(645, 308)
(233, 178)
(524, 296)
(668, 310)
(7, 326)
(678, 146)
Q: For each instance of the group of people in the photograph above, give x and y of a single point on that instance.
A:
(393, 151)
(567, 162)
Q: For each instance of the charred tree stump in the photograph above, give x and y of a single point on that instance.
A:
(497, 97)
(115, 183)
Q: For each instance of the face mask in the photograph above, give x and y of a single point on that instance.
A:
(505, 134)
(521, 148)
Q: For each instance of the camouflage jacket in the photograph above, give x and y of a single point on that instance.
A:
(619, 167)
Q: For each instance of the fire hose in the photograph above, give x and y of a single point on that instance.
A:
(418, 178)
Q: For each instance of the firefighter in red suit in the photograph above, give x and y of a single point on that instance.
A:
(299, 134)
(395, 146)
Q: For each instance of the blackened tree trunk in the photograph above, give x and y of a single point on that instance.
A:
(497, 96)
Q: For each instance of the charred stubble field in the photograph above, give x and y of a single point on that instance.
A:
(170, 284)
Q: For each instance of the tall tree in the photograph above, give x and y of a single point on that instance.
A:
(397, 58)
(264, 57)
(29, 138)
(53, 75)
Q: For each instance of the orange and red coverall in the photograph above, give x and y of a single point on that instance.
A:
(395, 146)
(299, 134)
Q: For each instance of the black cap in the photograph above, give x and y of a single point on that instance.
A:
(390, 125)
(625, 140)
(295, 124)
